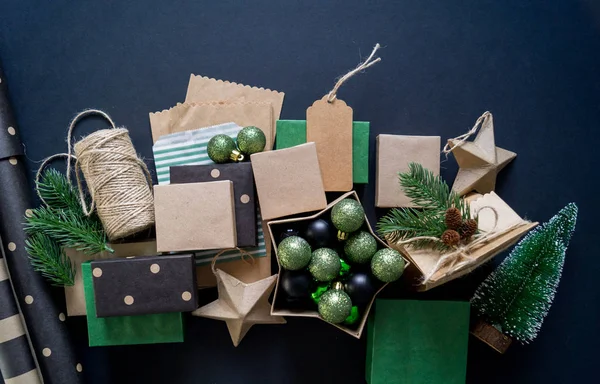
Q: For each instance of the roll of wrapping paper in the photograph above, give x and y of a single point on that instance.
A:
(45, 323)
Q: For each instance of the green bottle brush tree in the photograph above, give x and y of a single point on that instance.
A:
(514, 300)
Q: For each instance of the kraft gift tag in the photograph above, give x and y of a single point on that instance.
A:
(329, 126)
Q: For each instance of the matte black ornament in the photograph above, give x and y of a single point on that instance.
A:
(320, 234)
(361, 287)
(297, 284)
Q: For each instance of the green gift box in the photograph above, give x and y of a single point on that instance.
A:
(293, 132)
(417, 342)
(126, 330)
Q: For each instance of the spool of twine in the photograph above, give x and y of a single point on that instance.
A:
(118, 181)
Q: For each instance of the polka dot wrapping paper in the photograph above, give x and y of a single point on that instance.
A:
(45, 322)
(144, 285)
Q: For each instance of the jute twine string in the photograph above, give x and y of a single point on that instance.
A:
(118, 181)
(246, 257)
(463, 138)
(362, 66)
(461, 256)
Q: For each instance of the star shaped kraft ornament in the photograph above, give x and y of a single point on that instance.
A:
(241, 305)
(479, 160)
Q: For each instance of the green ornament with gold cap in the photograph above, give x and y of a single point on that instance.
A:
(347, 216)
(335, 305)
(222, 149)
(251, 140)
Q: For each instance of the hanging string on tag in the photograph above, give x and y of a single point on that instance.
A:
(362, 66)
(464, 137)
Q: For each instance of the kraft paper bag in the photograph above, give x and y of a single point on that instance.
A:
(202, 89)
(189, 116)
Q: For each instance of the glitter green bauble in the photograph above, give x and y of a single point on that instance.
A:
(251, 140)
(348, 215)
(335, 306)
(220, 148)
(325, 264)
(360, 247)
(294, 253)
(387, 265)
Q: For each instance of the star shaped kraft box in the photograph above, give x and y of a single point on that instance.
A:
(297, 292)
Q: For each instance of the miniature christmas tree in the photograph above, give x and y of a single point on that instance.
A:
(516, 297)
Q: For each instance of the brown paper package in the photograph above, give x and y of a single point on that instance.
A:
(288, 181)
(287, 312)
(509, 222)
(74, 294)
(194, 216)
(185, 117)
(394, 154)
(201, 89)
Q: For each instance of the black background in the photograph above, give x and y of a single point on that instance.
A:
(534, 64)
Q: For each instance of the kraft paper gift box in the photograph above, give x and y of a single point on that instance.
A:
(288, 181)
(293, 132)
(127, 330)
(394, 154)
(75, 295)
(240, 174)
(194, 216)
(189, 148)
(144, 285)
(417, 342)
(503, 231)
(280, 308)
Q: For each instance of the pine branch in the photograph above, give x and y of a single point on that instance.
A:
(68, 229)
(406, 223)
(47, 257)
(424, 188)
(57, 192)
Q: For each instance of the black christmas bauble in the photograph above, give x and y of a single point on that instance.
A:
(297, 284)
(361, 287)
(287, 233)
(320, 234)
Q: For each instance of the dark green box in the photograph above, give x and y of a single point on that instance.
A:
(418, 342)
(293, 132)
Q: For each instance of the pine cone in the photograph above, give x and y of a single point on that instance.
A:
(450, 237)
(468, 229)
(453, 218)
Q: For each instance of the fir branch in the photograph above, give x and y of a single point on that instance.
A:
(424, 188)
(69, 229)
(47, 257)
(57, 192)
(406, 223)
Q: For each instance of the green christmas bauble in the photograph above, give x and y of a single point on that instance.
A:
(347, 216)
(335, 306)
(387, 265)
(251, 140)
(294, 253)
(360, 247)
(325, 264)
(221, 149)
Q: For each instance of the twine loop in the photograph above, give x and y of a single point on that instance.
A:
(463, 138)
(45, 162)
(362, 66)
(245, 257)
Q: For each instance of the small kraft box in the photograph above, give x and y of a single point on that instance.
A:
(502, 227)
(288, 181)
(293, 132)
(240, 174)
(194, 216)
(144, 285)
(280, 307)
(394, 154)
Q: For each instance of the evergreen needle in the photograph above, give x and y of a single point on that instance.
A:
(50, 259)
